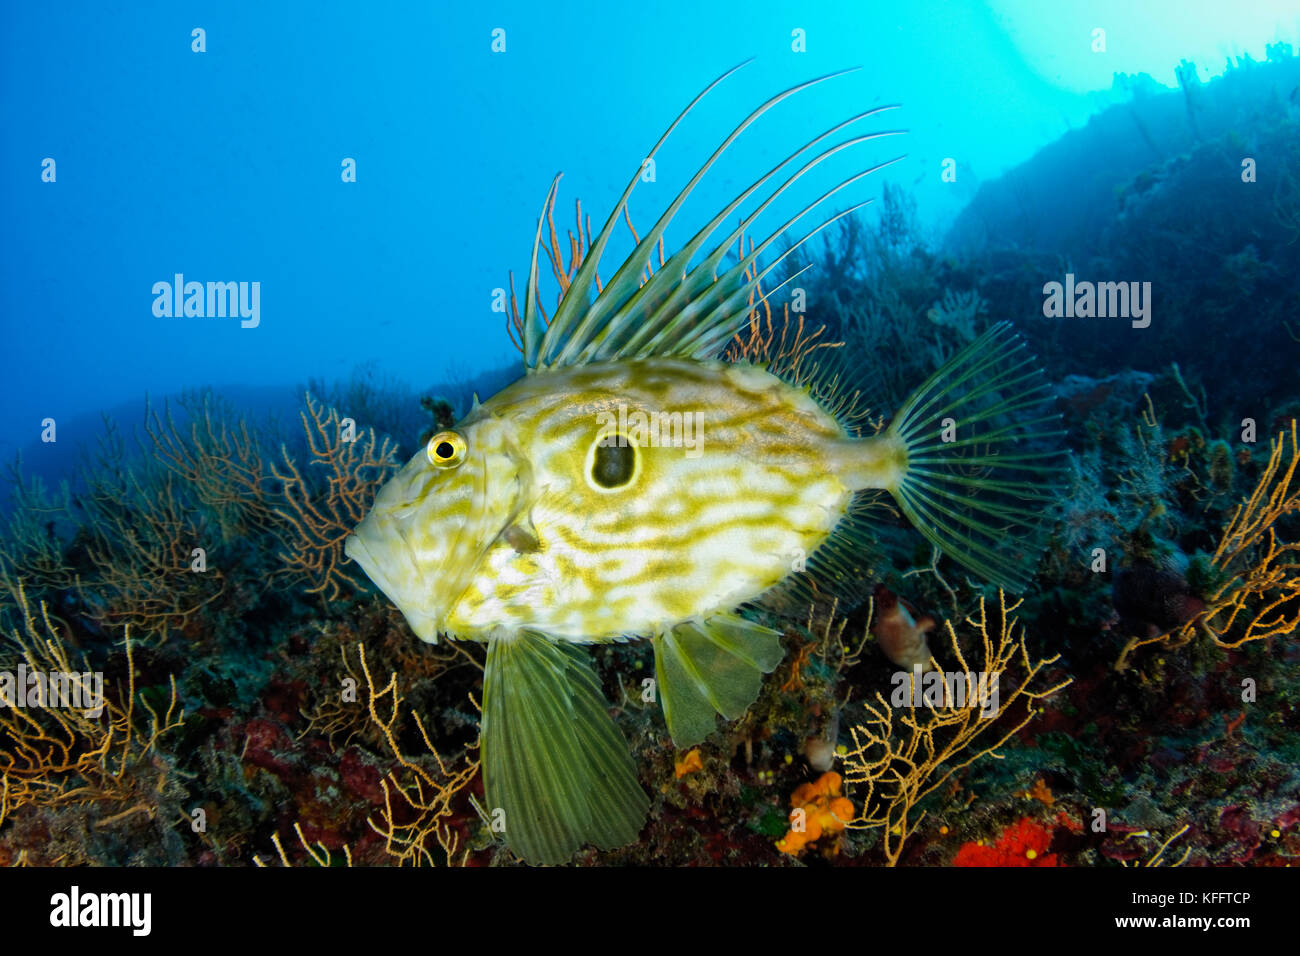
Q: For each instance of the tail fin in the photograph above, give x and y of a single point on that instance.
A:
(982, 458)
(553, 759)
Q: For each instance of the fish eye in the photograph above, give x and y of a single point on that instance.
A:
(613, 463)
(446, 450)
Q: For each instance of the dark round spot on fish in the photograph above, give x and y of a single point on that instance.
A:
(613, 464)
(444, 450)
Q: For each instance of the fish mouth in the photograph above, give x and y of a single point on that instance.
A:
(403, 593)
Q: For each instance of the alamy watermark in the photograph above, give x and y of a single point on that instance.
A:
(918, 688)
(132, 911)
(1101, 300)
(61, 690)
(653, 429)
(212, 300)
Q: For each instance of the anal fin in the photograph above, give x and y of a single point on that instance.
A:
(710, 667)
(553, 758)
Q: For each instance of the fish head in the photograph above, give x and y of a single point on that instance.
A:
(431, 525)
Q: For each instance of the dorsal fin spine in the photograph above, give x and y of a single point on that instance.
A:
(582, 282)
(533, 332)
(631, 269)
(680, 261)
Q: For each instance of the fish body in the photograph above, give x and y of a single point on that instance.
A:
(633, 485)
(735, 477)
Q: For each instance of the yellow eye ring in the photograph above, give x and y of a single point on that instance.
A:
(446, 450)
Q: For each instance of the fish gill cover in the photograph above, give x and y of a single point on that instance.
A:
(751, 509)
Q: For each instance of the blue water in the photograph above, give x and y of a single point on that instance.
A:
(225, 165)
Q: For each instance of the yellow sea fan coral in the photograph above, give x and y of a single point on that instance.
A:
(1259, 591)
(316, 521)
(900, 755)
(219, 458)
(52, 756)
(419, 797)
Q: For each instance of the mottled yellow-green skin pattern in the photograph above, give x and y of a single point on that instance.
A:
(711, 518)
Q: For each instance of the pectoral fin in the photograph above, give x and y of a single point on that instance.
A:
(709, 667)
(522, 539)
(553, 759)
